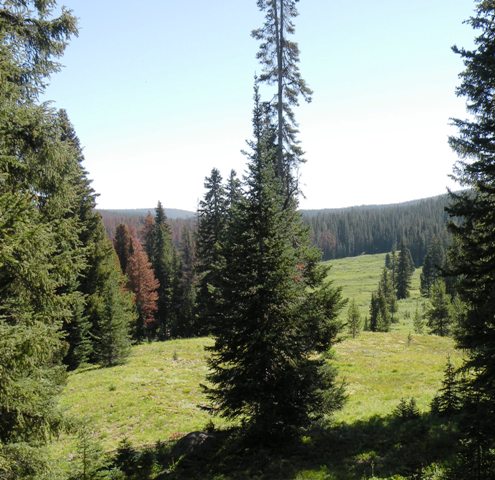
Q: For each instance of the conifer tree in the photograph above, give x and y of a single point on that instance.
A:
(354, 323)
(278, 316)
(123, 245)
(110, 307)
(279, 57)
(473, 226)
(233, 190)
(185, 290)
(448, 400)
(162, 256)
(380, 318)
(212, 215)
(405, 269)
(418, 322)
(439, 313)
(142, 282)
(37, 290)
(432, 266)
(386, 288)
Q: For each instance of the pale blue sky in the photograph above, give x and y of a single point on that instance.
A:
(160, 92)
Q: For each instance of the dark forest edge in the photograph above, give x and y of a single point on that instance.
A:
(338, 232)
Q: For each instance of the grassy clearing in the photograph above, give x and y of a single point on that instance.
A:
(381, 368)
(359, 276)
(156, 395)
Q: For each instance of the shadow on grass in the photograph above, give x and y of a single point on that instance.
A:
(382, 447)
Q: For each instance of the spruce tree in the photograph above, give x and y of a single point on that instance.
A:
(110, 307)
(418, 322)
(185, 289)
(405, 269)
(380, 318)
(37, 290)
(122, 243)
(387, 289)
(432, 266)
(439, 313)
(473, 226)
(212, 214)
(448, 400)
(279, 57)
(162, 256)
(354, 323)
(278, 316)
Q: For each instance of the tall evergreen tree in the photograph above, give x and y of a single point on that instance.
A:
(448, 400)
(387, 290)
(475, 238)
(123, 245)
(405, 269)
(212, 215)
(432, 266)
(439, 313)
(380, 318)
(279, 57)
(162, 257)
(278, 316)
(37, 290)
(185, 290)
(110, 307)
(233, 190)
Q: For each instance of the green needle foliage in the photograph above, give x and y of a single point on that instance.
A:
(354, 323)
(474, 258)
(279, 58)
(278, 317)
(405, 269)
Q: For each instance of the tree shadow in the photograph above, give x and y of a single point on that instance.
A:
(379, 446)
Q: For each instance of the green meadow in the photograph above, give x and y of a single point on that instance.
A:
(156, 395)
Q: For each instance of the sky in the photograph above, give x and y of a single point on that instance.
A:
(160, 92)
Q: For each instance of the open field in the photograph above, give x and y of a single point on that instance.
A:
(156, 395)
(359, 277)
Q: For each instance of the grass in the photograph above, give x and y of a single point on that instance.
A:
(156, 394)
(359, 276)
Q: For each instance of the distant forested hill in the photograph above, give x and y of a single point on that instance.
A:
(178, 219)
(343, 232)
(348, 232)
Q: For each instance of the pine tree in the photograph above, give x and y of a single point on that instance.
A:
(380, 318)
(212, 216)
(473, 226)
(142, 282)
(161, 255)
(278, 317)
(405, 269)
(448, 400)
(110, 307)
(387, 289)
(37, 290)
(418, 322)
(439, 313)
(432, 266)
(185, 289)
(354, 323)
(233, 190)
(123, 245)
(279, 57)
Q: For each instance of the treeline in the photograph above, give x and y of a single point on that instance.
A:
(349, 232)
(340, 233)
(177, 220)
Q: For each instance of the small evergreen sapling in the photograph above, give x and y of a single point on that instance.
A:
(354, 323)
